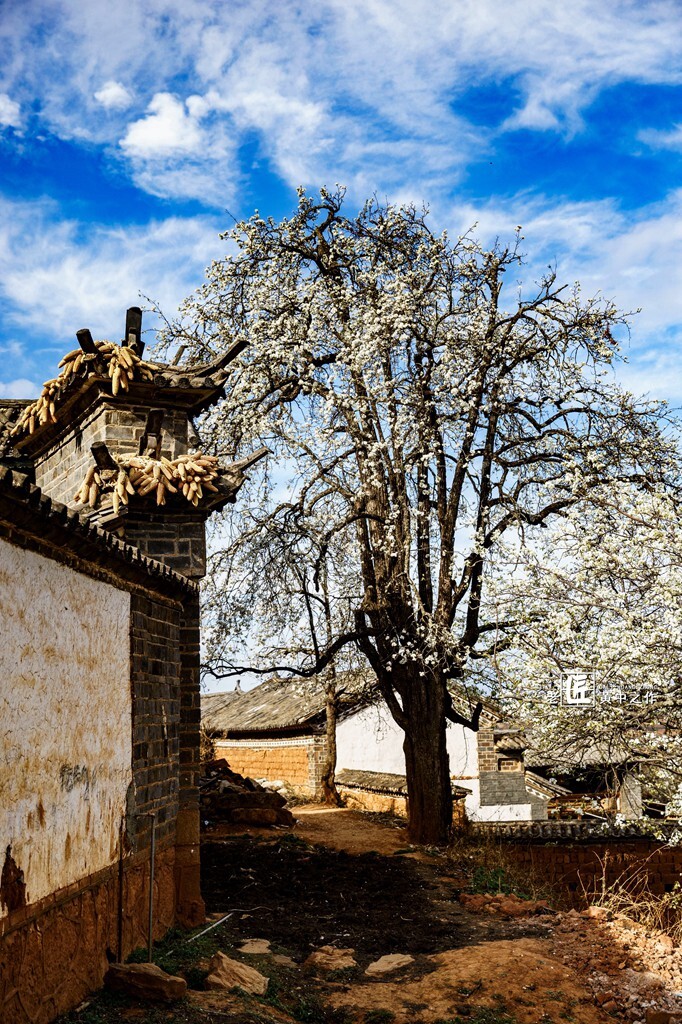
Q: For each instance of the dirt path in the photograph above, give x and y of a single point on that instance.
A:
(346, 880)
(341, 829)
(351, 881)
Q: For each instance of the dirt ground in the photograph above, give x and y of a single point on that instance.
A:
(350, 880)
(340, 829)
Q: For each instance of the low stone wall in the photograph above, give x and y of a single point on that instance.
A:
(295, 761)
(64, 943)
(361, 800)
(587, 867)
(388, 803)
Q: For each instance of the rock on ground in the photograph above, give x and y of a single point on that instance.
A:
(227, 974)
(255, 946)
(329, 958)
(389, 962)
(507, 904)
(145, 981)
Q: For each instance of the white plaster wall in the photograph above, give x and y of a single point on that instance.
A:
(501, 812)
(463, 752)
(371, 741)
(65, 719)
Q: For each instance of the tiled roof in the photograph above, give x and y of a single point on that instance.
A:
(591, 830)
(286, 704)
(9, 413)
(579, 753)
(195, 386)
(26, 509)
(383, 782)
(280, 704)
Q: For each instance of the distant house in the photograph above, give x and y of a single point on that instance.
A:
(591, 776)
(276, 731)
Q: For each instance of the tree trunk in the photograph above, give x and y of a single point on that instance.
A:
(427, 764)
(329, 791)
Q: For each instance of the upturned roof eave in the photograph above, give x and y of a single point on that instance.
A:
(163, 390)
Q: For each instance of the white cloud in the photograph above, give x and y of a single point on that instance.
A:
(635, 259)
(172, 154)
(167, 128)
(10, 112)
(113, 96)
(56, 278)
(657, 139)
(353, 89)
(19, 388)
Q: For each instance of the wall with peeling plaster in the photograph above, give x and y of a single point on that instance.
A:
(65, 709)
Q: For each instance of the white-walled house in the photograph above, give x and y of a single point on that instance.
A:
(370, 740)
(276, 731)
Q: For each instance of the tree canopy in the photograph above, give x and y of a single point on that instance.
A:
(417, 418)
(598, 598)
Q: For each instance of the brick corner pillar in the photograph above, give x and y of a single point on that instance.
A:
(190, 908)
(317, 757)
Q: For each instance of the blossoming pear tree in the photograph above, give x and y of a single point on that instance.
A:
(598, 598)
(423, 413)
(285, 588)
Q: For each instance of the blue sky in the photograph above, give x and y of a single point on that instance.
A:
(131, 133)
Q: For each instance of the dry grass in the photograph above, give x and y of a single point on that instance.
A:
(486, 861)
(207, 750)
(629, 895)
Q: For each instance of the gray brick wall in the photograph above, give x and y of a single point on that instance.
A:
(177, 539)
(60, 471)
(155, 632)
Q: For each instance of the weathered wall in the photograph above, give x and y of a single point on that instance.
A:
(65, 707)
(385, 803)
(97, 647)
(57, 951)
(190, 909)
(287, 759)
(363, 800)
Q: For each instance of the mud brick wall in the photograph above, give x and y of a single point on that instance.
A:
(363, 800)
(296, 761)
(580, 868)
(387, 803)
(53, 954)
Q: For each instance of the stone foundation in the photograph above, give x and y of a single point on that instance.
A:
(54, 953)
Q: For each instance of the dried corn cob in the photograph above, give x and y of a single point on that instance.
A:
(122, 365)
(144, 475)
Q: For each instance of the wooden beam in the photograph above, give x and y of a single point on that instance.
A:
(86, 342)
(133, 334)
(219, 364)
(103, 456)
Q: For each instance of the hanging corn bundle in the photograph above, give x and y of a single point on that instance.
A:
(196, 473)
(144, 475)
(120, 363)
